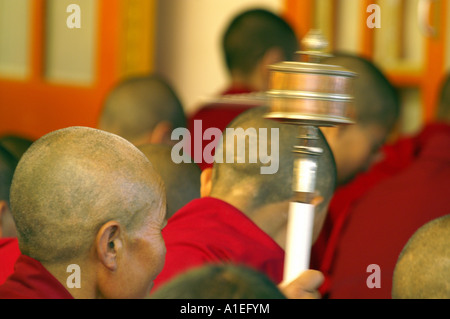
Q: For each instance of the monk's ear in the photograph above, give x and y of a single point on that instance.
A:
(272, 56)
(109, 244)
(206, 182)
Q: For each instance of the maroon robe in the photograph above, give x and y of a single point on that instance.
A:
(379, 224)
(9, 252)
(31, 280)
(215, 115)
(209, 230)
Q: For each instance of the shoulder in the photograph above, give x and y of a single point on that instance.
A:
(9, 253)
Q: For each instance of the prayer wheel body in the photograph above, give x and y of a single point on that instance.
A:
(310, 94)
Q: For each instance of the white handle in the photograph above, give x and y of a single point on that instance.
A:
(298, 240)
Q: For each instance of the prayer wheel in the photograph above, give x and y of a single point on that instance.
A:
(308, 94)
(311, 93)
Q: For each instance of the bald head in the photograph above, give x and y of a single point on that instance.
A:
(223, 281)
(423, 267)
(72, 181)
(182, 180)
(136, 106)
(355, 147)
(263, 189)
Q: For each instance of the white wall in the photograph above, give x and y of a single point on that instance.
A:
(348, 33)
(14, 38)
(188, 44)
(71, 53)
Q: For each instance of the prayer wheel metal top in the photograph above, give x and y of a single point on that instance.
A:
(308, 92)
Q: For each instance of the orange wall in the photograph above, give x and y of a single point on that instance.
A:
(35, 107)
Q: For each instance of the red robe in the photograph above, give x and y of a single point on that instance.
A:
(9, 252)
(209, 230)
(215, 116)
(31, 280)
(375, 228)
(396, 157)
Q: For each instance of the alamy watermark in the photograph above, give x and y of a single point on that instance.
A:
(241, 146)
(74, 279)
(374, 279)
(374, 20)
(74, 19)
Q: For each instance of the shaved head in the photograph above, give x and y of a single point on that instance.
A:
(219, 281)
(423, 267)
(72, 181)
(182, 180)
(356, 147)
(135, 106)
(270, 188)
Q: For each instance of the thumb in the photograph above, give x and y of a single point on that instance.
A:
(305, 286)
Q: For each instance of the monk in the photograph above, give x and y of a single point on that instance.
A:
(89, 209)
(422, 270)
(224, 281)
(358, 150)
(89, 203)
(242, 215)
(142, 109)
(9, 250)
(253, 40)
(8, 163)
(386, 216)
(356, 147)
(182, 181)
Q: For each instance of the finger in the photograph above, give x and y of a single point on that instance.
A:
(317, 200)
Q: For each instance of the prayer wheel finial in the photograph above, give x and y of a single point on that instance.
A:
(314, 46)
